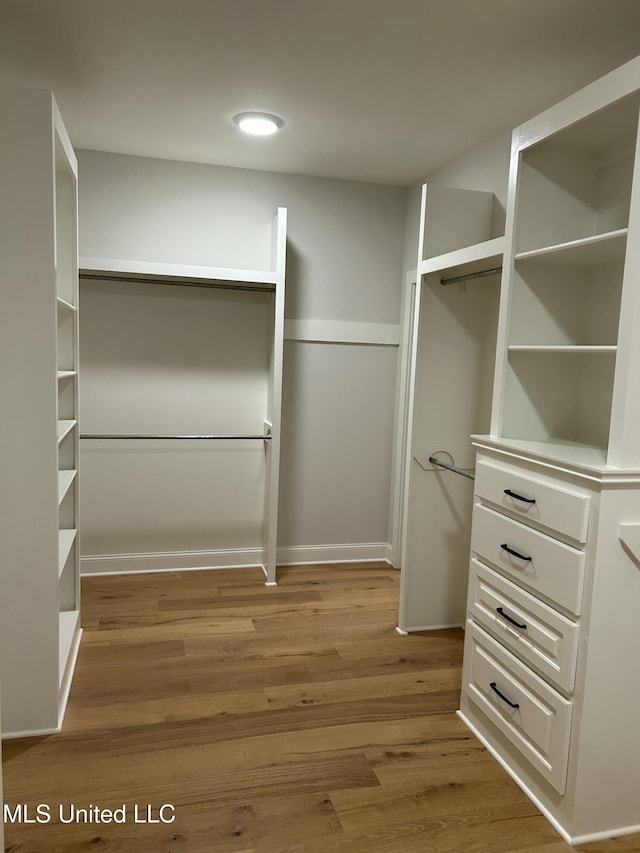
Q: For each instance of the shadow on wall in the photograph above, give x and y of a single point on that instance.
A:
(293, 308)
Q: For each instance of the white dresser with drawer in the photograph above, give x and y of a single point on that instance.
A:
(551, 680)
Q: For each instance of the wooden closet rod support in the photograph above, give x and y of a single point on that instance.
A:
(188, 437)
(453, 468)
(471, 275)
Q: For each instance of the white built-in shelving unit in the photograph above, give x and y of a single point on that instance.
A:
(562, 343)
(450, 366)
(119, 277)
(550, 684)
(40, 601)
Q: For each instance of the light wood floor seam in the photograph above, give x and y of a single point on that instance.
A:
(288, 719)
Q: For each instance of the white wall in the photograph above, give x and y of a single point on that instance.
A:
(345, 238)
(344, 265)
(172, 360)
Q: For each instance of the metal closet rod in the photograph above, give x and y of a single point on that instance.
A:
(218, 285)
(453, 468)
(207, 437)
(471, 275)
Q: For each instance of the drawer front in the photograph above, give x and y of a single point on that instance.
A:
(539, 725)
(545, 565)
(534, 632)
(540, 504)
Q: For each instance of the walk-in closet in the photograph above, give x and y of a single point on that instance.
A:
(320, 481)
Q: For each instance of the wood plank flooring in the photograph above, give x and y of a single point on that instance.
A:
(273, 719)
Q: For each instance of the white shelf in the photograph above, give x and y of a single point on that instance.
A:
(64, 305)
(66, 538)
(69, 620)
(66, 374)
(571, 453)
(589, 251)
(470, 259)
(114, 268)
(64, 428)
(65, 478)
(567, 349)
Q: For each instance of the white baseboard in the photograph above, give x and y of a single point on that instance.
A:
(603, 836)
(111, 564)
(519, 782)
(30, 733)
(301, 555)
(171, 561)
(65, 687)
(573, 840)
(342, 332)
(64, 696)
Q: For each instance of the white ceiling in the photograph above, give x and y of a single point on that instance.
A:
(372, 90)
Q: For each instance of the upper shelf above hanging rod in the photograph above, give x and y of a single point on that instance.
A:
(185, 275)
(471, 275)
(472, 258)
(187, 437)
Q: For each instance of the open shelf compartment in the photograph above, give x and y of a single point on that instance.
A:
(559, 397)
(454, 219)
(577, 182)
(568, 298)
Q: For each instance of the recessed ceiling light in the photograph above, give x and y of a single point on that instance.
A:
(258, 124)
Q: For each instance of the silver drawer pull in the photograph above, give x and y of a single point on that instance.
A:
(510, 619)
(519, 497)
(513, 553)
(502, 696)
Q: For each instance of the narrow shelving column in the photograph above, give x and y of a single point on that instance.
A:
(39, 601)
(68, 445)
(452, 352)
(274, 398)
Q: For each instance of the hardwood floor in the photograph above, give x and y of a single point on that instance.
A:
(273, 719)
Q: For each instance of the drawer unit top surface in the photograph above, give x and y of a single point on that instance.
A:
(554, 508)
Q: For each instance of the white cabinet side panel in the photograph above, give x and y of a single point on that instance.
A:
(29, 484)
(608, 757)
